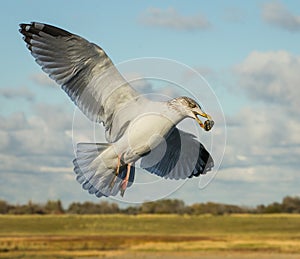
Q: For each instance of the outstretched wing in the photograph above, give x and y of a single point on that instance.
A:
(179, 157)
(82, 68)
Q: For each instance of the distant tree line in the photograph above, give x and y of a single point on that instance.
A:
(166, 206)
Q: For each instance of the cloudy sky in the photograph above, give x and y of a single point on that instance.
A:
(248, 52)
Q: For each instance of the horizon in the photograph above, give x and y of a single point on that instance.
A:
(122, 206)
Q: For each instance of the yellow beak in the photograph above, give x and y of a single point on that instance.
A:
(208, 124)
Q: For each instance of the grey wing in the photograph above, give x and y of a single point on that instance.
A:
(82, 68)
(179, 157)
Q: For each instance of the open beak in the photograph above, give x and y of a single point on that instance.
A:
(208, 124)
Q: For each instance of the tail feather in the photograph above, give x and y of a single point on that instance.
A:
(92, 173)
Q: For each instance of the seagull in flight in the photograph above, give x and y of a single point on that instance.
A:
(136, 128)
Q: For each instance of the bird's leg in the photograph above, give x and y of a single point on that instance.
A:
(125, 181)
(113, 181)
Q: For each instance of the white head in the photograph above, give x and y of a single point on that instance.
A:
(190, 108)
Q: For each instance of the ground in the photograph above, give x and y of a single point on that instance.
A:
(150, 236)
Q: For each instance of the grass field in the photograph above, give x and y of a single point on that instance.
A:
(150, 236)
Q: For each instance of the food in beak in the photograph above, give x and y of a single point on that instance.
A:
(208, 124)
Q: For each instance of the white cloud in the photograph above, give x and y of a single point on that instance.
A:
(55, 116)
(51, 169)
(234, 14)
(41, 134)
(263, 144)
(36, 152)
(263, 136)
(255, 185)
(14, 122)
(20, 92)
(43, 80)
(257, 174)
(171, 19)
(278, 15)
(139, 83)
(261, 161)
(271, 77)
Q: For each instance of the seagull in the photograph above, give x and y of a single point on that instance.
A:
(136, 128)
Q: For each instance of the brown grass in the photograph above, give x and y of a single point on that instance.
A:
(172, 236)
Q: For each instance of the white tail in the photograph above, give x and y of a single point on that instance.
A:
(92, 173)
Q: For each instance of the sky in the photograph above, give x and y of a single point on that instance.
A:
(247, 52)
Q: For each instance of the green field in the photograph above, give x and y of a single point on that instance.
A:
(150, 236)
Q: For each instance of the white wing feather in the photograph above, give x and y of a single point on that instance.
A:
(83, 70)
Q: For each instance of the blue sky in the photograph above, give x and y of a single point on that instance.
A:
(248, 51)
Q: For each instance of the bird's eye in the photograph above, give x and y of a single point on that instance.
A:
(191, 104)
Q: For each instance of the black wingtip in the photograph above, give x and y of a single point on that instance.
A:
(22, 27)
(37, 27)
(27, 34)
(33, 29)
(205, 165)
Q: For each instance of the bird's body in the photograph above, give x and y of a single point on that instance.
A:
(140, 136)
(134, 125)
